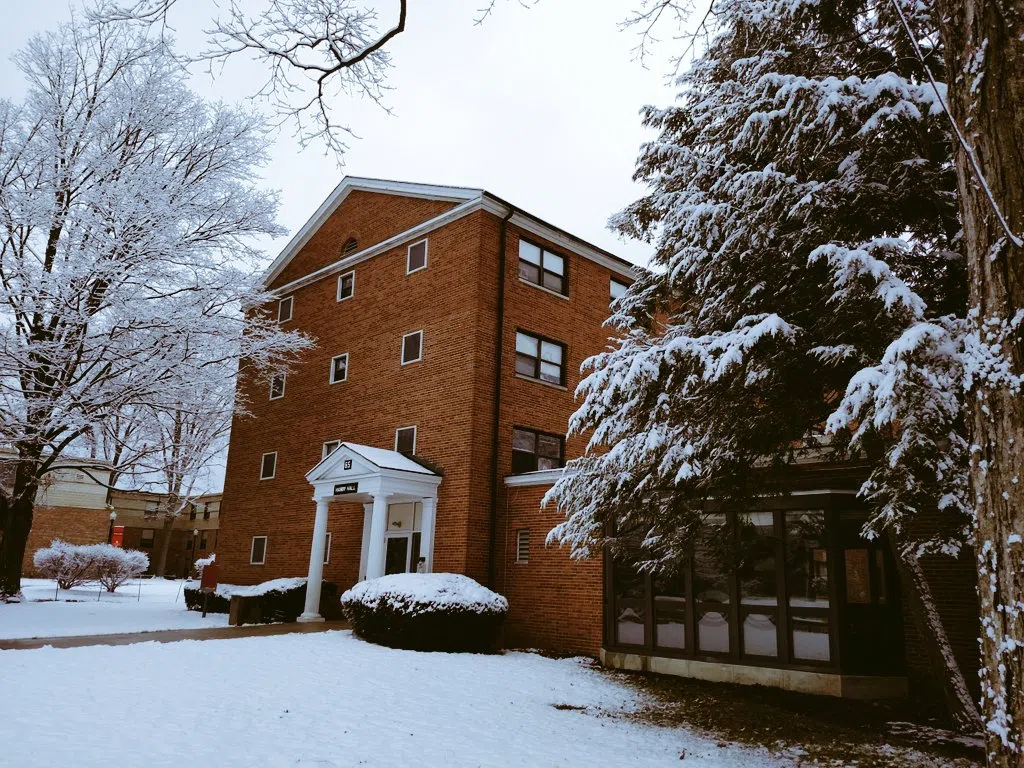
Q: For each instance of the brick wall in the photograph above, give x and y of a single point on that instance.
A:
(74, 525)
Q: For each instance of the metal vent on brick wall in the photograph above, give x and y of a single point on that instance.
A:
(523, 546)
(350, 247)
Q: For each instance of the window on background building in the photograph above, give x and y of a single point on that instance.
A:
(277, 386)
(532, 450)
(146, 538)
(339, 368)
(416, 259)
(213, 508)
(202, 540)
(152, 507)
(188, 544)
(542, 267)
(618, 288)
(258, 551)
(206, 511)
(192, 512)
(808, 585)
(330, 447)
(346, 285)
(268, 466)
(412, 347)
(405, 440)
(327, 549)
(351, 246)
(523, 545)
(284, 309)
(539, 358)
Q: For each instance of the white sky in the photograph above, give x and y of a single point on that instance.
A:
(538, 105)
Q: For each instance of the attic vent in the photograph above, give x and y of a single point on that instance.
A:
(350, 247)
(523, 545)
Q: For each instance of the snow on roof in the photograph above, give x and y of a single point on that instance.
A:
(385, 459)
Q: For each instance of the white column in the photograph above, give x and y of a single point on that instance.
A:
(364, 551)
(316, 564)
(378, 527)
(427, 532)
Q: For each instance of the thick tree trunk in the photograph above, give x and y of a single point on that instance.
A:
(963, 714)
(17, 524)
(984, 43)
(160, 567)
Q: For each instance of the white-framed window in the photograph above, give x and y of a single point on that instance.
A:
(284, 309)
(412, 347)
(339, 368)
(277, 386)
(523, 545)
(268, 466)
(616, 289)
(327, 549)
(416, 257)
(405, 440)
(330, 447)
(258, 550)
(346, 285)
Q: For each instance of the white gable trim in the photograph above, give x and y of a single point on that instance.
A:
(337, 197)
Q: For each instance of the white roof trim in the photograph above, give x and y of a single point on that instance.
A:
(540, 477)
(351, 184)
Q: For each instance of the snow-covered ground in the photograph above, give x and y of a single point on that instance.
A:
(159, 605)
(325, 699)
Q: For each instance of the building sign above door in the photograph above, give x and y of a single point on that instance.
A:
(342, 488)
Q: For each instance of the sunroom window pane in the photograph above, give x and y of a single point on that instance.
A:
(629, 606)
(760, 636)
(757, 559)
(713, 631)
(807, 560)
(669, 611)
(810, 637)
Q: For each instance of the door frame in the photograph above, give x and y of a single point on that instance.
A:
(407, 535)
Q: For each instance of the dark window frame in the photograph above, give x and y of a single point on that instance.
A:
(541, 340)
(537, 434)
(542, 270)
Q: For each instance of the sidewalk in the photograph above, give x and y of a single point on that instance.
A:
(171, 635)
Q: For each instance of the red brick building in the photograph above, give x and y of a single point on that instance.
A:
(426, 425)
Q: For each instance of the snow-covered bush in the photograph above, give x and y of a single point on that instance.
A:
(202, 562)
(274, 600)
(69, 564)
(115, 566)
(426, 612)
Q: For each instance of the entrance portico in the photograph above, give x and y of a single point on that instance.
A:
(380, 479)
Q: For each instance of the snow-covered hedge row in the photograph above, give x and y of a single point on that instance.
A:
(74, 564)
(274, 600)
(427, 612)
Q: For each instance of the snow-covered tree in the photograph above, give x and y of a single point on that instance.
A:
(114, 566)
(128, 209)
(807, 298)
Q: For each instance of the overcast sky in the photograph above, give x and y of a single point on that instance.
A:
(538, 105)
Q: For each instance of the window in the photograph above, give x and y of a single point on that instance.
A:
(542, 267)
(346, 285)
(258, 552)
(351, 246)
(188, 545)
(339, 368)
(146, 539)
(202, 540)
(523, 545)
(532, 450)
(405, 440)
(330, 447)
(268, 467)
(192, 512)
(539, 358)
(206, 511)
(284, 309)
(213, 508)
(617, 289)
(327, 549)
(412, 347)
(152, 507)
(416, 259)
(277, 386)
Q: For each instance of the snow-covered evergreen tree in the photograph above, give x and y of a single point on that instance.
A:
(806, 298)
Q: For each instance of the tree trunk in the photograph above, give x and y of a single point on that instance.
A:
(984, 44)
(963, 714)
(17, 524)
(165, 545)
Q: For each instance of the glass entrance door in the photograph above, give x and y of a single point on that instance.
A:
(396, 554)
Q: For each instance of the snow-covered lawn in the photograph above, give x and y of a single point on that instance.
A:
(159, 605)
(325, 699)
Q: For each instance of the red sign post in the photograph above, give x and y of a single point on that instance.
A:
(208, 584)
(117, 536)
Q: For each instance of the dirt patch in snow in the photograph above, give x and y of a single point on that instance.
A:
(806, 730)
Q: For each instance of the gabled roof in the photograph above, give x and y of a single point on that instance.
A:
(467, 199)
(362, 184)
(367, 459)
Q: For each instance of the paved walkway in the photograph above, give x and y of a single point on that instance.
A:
(171, 635)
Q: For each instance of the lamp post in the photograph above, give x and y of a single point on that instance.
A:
(110, 529)
(195, 550)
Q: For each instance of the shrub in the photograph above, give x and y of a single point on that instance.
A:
(275, 600)
(114, 566)
(69, 564)
(217, 603)
(427, 612)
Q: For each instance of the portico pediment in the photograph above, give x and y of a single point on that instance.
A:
(358, 471)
